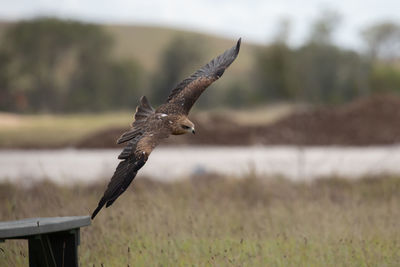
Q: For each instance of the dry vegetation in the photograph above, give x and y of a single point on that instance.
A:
(54, 131)
(218, 222)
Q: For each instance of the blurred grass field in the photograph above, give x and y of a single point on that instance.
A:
(214, 221)
(43, 131)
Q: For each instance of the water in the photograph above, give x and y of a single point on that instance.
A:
(169, 163)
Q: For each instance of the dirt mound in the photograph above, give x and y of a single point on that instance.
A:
(214, 130)
(370, 121)
(103, 139)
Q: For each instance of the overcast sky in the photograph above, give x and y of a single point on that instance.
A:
(254, 20)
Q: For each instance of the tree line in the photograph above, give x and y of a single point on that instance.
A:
(51, 65)
(321, 72)
(63, 66)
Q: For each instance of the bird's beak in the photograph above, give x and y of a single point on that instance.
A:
(193, 131)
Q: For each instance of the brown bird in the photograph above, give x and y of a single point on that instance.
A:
(151, 126)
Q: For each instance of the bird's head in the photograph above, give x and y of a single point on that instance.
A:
(183, 125)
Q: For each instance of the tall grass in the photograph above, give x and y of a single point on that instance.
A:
(218, 221)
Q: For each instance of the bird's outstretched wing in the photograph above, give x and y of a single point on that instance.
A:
(134, 157)
(146, 133)
(122, 178)
(142, 138)
(185, 94)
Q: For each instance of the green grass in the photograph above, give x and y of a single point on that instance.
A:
(211, 221)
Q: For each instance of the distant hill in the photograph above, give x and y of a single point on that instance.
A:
(146, 43)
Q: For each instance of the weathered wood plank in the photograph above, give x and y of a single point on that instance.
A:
(35, 226)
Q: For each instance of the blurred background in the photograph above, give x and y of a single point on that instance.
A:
(315, 74)
(314, 93)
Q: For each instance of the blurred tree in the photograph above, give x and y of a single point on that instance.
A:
(328, 74)
(235, 94)
(385, 78)
(323, 27)
(273, 73)
(6, 95)
(179, 60)
(61, 66)
(318, 71)
(283, 31)
(323, 66)
(383, 40)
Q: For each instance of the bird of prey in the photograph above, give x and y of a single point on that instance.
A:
(151, 126)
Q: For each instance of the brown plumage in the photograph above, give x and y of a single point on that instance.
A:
(151, 126)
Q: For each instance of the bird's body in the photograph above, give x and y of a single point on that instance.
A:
(151, 126)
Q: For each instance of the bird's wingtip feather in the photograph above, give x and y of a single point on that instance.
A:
(143, 99)
(95, 212)
(99, 207)
(238, 44)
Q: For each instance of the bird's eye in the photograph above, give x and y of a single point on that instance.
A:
(185, 127)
